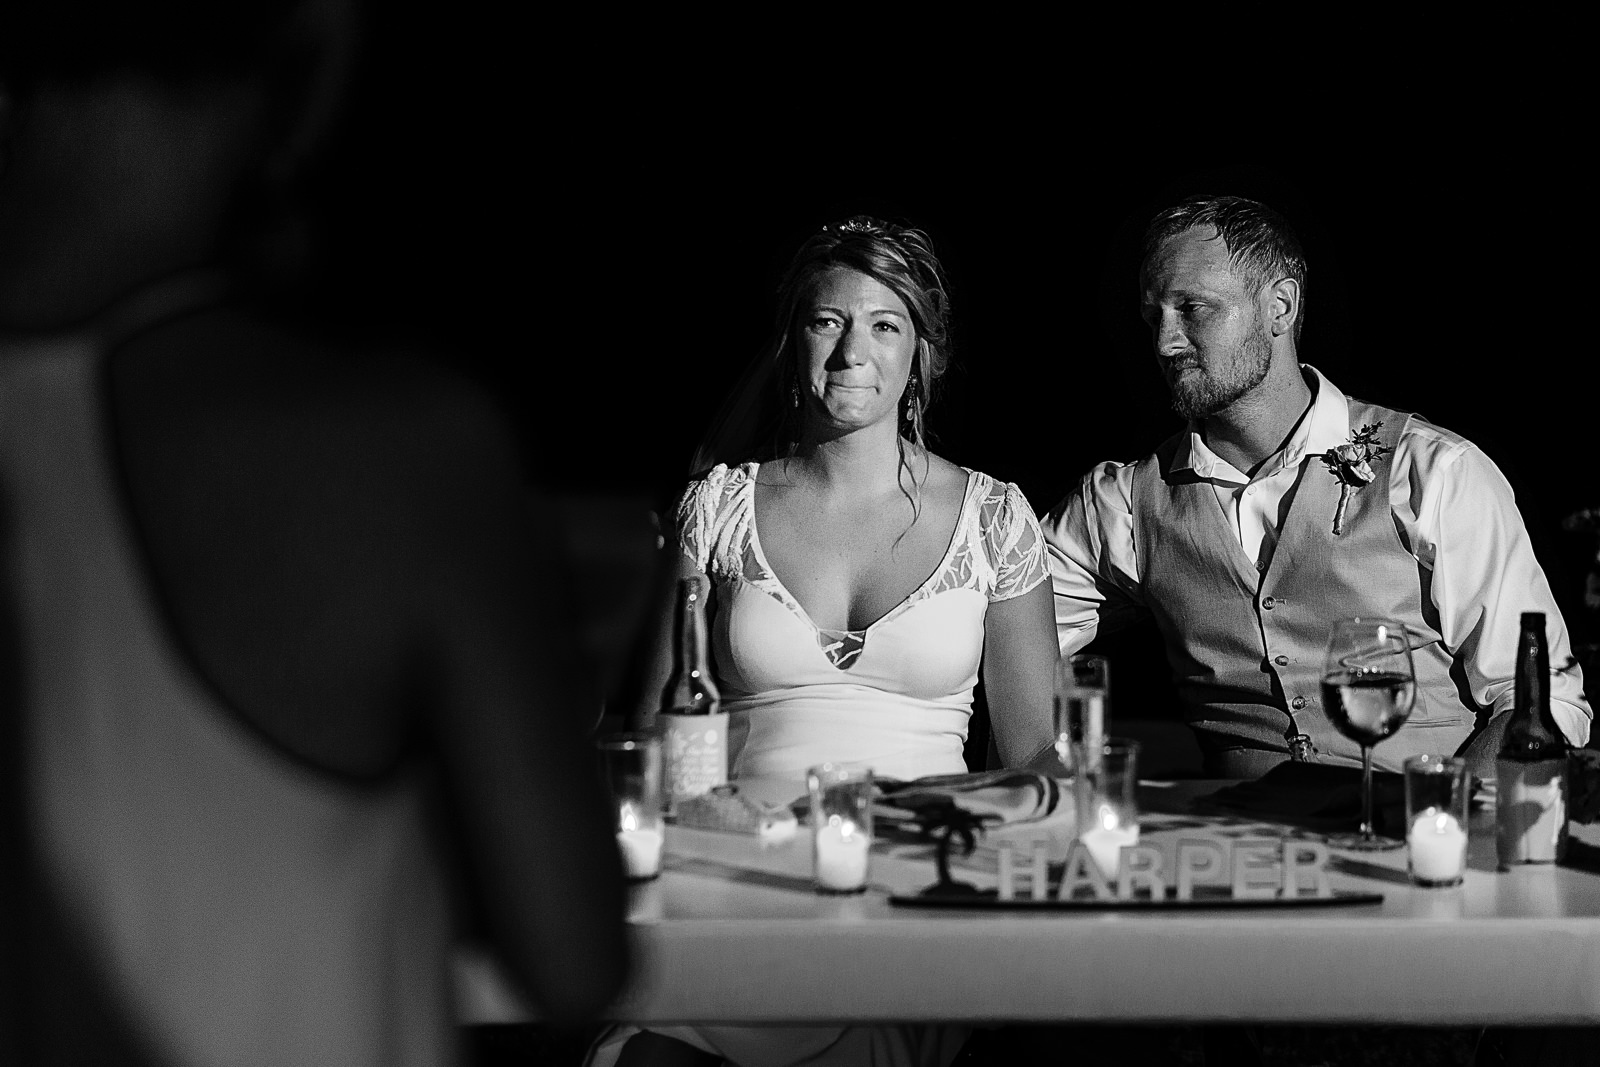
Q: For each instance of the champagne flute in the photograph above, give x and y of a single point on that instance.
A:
(1083, 687)
(1368, 688)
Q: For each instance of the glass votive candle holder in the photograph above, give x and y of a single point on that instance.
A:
(1437, 789)
(841, 823)
(631, 766)
(1106, 791)
(1083, 686)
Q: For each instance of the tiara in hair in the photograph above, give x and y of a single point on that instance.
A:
(863, 224)
(914, 246)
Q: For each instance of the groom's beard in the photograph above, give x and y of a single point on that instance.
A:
(1215, 387)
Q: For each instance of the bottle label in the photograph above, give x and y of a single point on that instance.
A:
(1530, 811)
(696, 754)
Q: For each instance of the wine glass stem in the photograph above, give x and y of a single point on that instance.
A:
(1366, 793)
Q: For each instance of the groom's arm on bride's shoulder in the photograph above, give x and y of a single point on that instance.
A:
(1094, 568)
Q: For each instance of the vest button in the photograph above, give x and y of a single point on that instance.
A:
(1297, 703)
(1282, 661)
(1268, 603)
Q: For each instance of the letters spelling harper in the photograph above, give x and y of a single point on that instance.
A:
(1252, 869)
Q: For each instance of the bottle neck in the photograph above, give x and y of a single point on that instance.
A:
(691, 690)
(1532, 733)
(1533, 672)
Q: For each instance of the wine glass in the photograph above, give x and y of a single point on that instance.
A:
(1368, 687)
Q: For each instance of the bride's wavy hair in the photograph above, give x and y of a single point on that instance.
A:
(760, 419)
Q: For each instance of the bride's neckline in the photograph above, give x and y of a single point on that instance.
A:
(951, 545)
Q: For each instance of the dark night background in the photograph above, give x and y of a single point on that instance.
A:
(592, 218)
(602, 251)
(1440, 281)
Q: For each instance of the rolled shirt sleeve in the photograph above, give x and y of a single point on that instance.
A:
(1094, 572)
(1461, 516)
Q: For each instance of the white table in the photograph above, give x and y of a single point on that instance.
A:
(733, 933)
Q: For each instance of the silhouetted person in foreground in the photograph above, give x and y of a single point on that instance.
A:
(287, 691)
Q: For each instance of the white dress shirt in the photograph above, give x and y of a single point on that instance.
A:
(1454, 507)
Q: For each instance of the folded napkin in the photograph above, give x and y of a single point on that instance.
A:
(992, 797)
(1315, 796)
(725, 808)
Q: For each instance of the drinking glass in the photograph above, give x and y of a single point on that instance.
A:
(1368, 688)
(1083, 688)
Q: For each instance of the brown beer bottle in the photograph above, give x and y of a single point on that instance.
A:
(694, 728)
(1531, 794)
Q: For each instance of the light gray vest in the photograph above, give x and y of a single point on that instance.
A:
(1245, 647)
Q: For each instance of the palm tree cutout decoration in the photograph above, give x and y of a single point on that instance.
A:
(942, 820)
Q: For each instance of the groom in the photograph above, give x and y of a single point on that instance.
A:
(1284, 505)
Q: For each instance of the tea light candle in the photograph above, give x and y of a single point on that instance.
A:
(1106, 839)
(640, 845)
(841, 856)
(1438, 847)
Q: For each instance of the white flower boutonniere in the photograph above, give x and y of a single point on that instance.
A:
(1352, 465)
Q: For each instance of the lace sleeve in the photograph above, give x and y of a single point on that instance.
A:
(690, 525)
(707, 523)
(1016, 546)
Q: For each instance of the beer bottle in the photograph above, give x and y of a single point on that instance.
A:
(1531, 795)
(694, 728)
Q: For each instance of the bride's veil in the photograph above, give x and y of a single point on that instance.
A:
(750, 423)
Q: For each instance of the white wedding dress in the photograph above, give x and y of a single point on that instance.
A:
(896, 695)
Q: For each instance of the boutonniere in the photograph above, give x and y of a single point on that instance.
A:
(1352, 465)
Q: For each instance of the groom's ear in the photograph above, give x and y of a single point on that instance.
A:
(1282, 299)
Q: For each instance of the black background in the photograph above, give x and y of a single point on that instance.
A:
(1441, 281)
(590, 213)
(609, 254)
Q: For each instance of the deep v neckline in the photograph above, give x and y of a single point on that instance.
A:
(849, 643)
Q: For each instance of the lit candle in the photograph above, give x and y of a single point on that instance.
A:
(841, 856)
(640, 845)
(1438, 848)
(1106, 839)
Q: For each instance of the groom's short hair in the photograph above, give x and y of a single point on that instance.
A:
(1261, 245)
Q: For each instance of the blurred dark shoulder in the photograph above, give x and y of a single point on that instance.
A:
(315, 500)
(234, 380)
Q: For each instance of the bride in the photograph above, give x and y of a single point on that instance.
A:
(859, 581)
